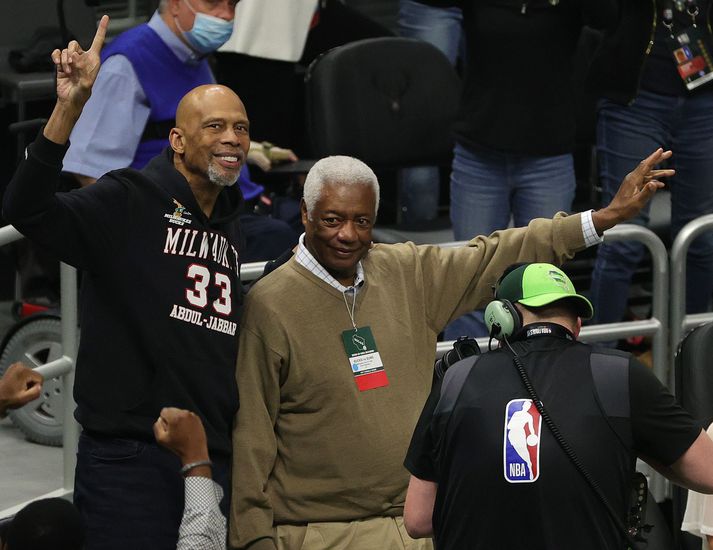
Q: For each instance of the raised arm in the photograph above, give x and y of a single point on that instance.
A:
(76, 72)
(182, 433)
(203, 525)
(79, 227)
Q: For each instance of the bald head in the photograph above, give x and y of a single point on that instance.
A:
(211, 138)
(206, 97)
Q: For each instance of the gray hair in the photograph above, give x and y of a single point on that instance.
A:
(162, 6)
(338, 169)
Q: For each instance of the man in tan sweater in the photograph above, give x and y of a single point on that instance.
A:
(336, 357)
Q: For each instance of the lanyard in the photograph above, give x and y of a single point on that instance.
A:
(350, 311)
(691, 7)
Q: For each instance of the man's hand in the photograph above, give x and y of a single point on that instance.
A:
(77, 69)
(635, 191)
(76, 72)
(18, 386)
(182, 432)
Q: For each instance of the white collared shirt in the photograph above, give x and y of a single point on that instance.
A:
(305, 259)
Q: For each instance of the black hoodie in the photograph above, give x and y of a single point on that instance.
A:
(161, 294)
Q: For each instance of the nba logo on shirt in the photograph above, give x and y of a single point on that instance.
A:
(521, 441)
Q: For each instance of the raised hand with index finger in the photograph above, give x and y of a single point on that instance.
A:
(77, 69)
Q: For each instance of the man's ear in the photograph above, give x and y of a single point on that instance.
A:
(303, 212)
(177, 140)
(577, 327)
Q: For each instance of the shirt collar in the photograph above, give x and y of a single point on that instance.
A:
(177, 47)
(305, 259)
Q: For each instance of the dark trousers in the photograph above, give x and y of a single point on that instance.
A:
(130, 493)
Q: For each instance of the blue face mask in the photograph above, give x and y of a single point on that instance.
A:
(208, 33)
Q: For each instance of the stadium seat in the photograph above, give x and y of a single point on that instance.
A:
(389, 102)
(694, 390)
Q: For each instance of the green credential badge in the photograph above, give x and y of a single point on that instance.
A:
(364, 359)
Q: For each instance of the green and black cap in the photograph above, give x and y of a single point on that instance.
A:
(539, 284)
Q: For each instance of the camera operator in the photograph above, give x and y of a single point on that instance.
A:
(500, 476)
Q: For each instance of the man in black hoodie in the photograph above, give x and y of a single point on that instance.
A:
(161, 296)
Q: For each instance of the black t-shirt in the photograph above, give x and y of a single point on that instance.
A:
(518, 93)
(504, 482)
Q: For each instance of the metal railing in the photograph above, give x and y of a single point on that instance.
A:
(62, 367)
(680, 322)
(656, 326)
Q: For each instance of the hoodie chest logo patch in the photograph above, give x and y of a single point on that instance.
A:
(179, 214)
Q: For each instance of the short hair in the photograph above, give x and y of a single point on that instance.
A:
(566, 307)
(162, 6)
(337, 169)
(48, 523)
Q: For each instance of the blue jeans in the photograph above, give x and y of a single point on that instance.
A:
(490, 187)
(626, 135)
(130, 493)
(419, 187)
(441, 27)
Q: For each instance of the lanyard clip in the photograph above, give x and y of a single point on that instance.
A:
(668, 20)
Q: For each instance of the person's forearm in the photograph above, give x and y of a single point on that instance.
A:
(61, 122)
(603, 220)
(200, 471)
(32, 187)
(203, 525)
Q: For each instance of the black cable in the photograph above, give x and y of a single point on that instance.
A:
(566, 448)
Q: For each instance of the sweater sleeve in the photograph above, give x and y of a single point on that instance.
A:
(254, 440)
(80, 226)
(458, 280)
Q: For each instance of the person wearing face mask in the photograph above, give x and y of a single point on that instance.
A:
(145, 72)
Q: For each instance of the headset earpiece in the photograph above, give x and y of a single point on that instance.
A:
(502, 319)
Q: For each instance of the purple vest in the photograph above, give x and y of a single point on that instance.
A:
(164, 78)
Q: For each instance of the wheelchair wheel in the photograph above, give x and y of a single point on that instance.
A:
(36, 343)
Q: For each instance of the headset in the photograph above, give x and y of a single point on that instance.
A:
(502, 319)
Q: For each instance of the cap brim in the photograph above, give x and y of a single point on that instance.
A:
(584, 306)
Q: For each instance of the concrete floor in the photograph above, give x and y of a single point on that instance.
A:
(27, 470)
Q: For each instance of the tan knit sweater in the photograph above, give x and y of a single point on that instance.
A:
(308, 445)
